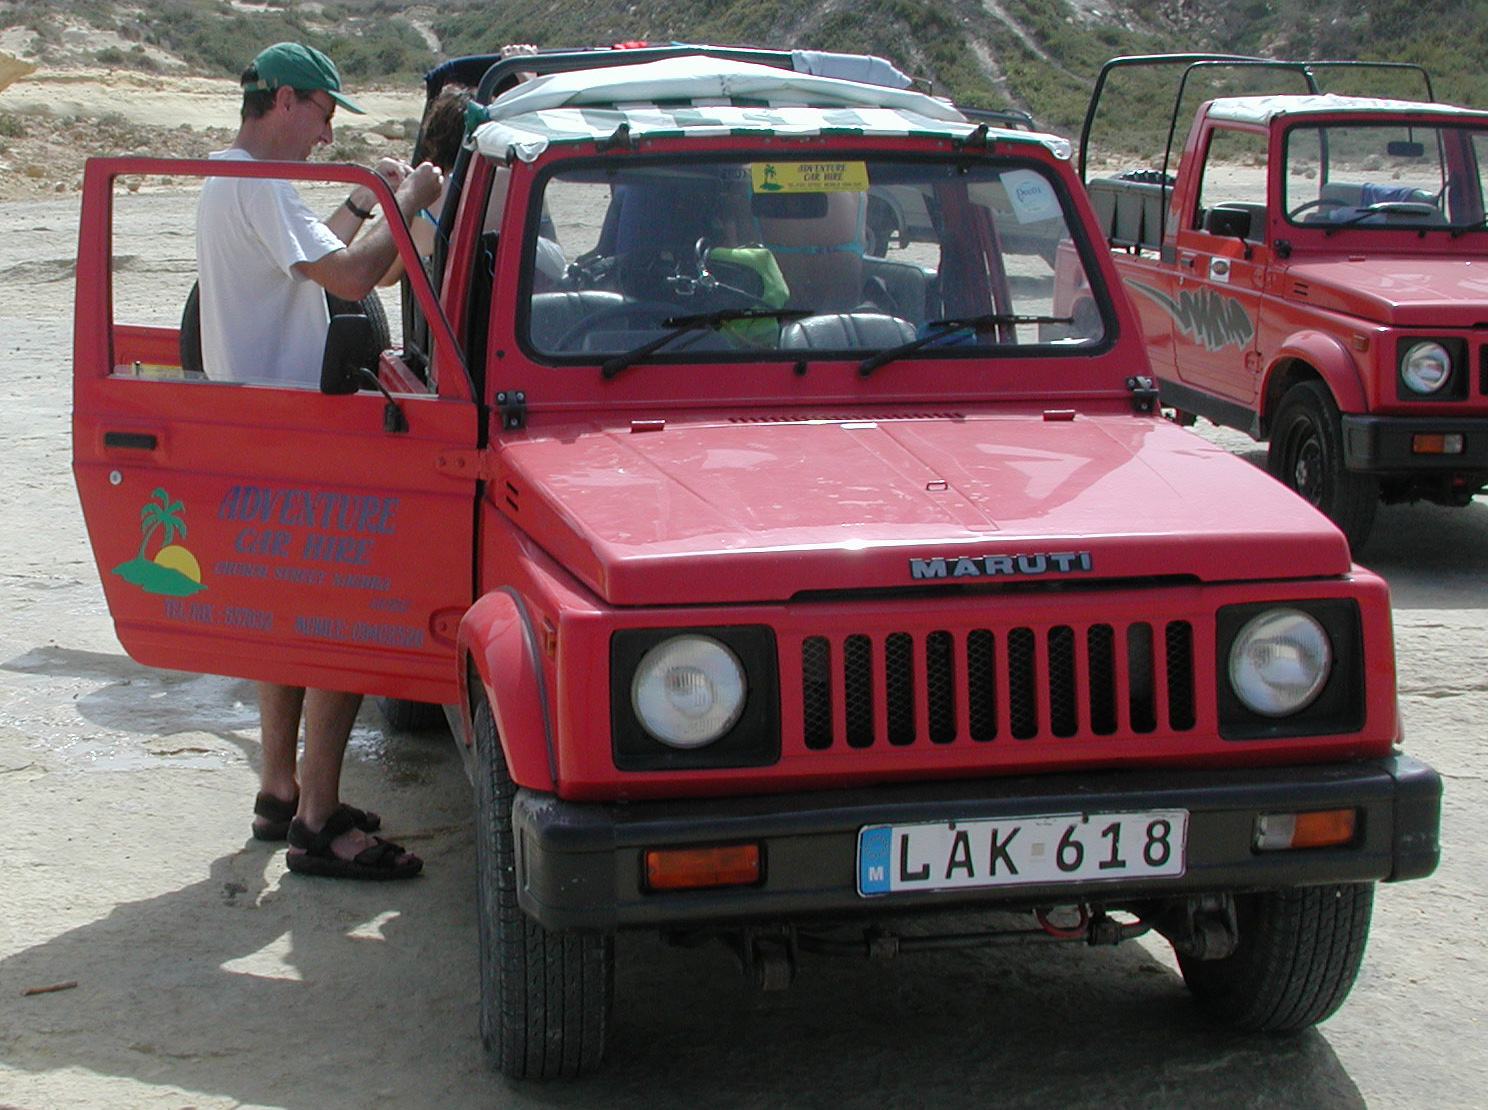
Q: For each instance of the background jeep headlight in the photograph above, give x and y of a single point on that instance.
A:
(1425, 367)
(1279, 662)
(688, 691)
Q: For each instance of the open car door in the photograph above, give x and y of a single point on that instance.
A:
(267, 532)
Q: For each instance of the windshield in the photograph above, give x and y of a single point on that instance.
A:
(1384, 175)
(664, 260)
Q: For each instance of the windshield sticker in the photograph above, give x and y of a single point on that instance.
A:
(172, 570)
(1031, 196)
(809, 177)
(1209, 318)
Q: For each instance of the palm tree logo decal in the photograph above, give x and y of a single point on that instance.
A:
(769, 184)
(172, 570)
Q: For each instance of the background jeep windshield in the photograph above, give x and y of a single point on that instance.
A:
(856, 256)
(1384, 175)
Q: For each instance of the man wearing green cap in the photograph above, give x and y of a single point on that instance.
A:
(265, 263)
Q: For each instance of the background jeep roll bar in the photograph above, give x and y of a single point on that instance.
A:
(1308, 71)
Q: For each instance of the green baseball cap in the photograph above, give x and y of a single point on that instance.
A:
(300, 67)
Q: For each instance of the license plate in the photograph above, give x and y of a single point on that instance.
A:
(1020, 851)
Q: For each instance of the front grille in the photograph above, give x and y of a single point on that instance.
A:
(984, 685)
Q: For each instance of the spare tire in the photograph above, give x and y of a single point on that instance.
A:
(369, 306)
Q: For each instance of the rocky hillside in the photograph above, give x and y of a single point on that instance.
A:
(1039, 55)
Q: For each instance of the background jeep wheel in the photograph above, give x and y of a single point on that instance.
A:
(1298, 954)
(1307, 454)
(402, 715)
(545, 996)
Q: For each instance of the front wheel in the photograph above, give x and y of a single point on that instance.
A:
(545, 996)
(1298, 954)
(1307, 455)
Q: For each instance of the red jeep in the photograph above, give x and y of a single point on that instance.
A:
(1312, 273)
(779, 591)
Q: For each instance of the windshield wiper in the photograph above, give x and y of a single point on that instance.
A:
(943, 328)
(702, 321)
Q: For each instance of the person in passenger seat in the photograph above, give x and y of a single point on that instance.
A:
(818, 239)
(263, 258)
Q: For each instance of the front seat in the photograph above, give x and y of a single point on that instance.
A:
(846, 331)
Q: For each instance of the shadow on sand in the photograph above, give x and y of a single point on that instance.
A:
(252, 985)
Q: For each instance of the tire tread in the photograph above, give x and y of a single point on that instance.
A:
(1298, 956)
(545, 996)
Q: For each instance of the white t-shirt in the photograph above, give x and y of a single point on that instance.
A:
(261, 321)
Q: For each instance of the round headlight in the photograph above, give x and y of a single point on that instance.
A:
(1279, 662)
(688, 691)
(1425, 367)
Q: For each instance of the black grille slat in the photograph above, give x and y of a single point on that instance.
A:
(1101, 652)
(899, 688)
(1064, 714)
(816, 692)
(857, 666)
(1023, 709)
(940, 686)
(1181, 697)
(1139, 670)
(980, 685)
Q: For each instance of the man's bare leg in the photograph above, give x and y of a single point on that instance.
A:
(279, 722)
(329, 716)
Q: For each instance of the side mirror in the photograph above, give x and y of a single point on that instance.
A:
(348, 340)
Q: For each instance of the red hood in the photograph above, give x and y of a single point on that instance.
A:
(760, 511)
(1410, 291)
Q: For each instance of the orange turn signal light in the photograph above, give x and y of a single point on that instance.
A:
(1447, 443)
(692, 868)
(1324, 828)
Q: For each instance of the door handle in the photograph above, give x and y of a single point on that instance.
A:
(138, 441)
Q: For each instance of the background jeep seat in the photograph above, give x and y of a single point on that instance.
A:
(905, 283)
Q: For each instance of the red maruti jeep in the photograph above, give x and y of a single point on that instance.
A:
(1312, 273)
(777, 590)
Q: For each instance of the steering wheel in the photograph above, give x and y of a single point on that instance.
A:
(721, 288)
(651, 313)
(589, 271)
(1319, 203)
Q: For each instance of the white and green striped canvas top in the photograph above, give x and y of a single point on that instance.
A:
(708, 97)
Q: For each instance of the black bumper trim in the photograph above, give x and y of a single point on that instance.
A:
(579, 863)
(1382, 444)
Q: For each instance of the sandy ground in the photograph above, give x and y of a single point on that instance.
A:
(199, 974)
(67, 115)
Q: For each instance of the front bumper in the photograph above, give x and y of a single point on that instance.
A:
(1382, 444)
(579, 865)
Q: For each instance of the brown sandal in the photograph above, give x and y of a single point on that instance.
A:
(310, 852)
(275, 815)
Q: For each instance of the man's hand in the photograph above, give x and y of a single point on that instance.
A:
(420, 188)
(390, 170)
